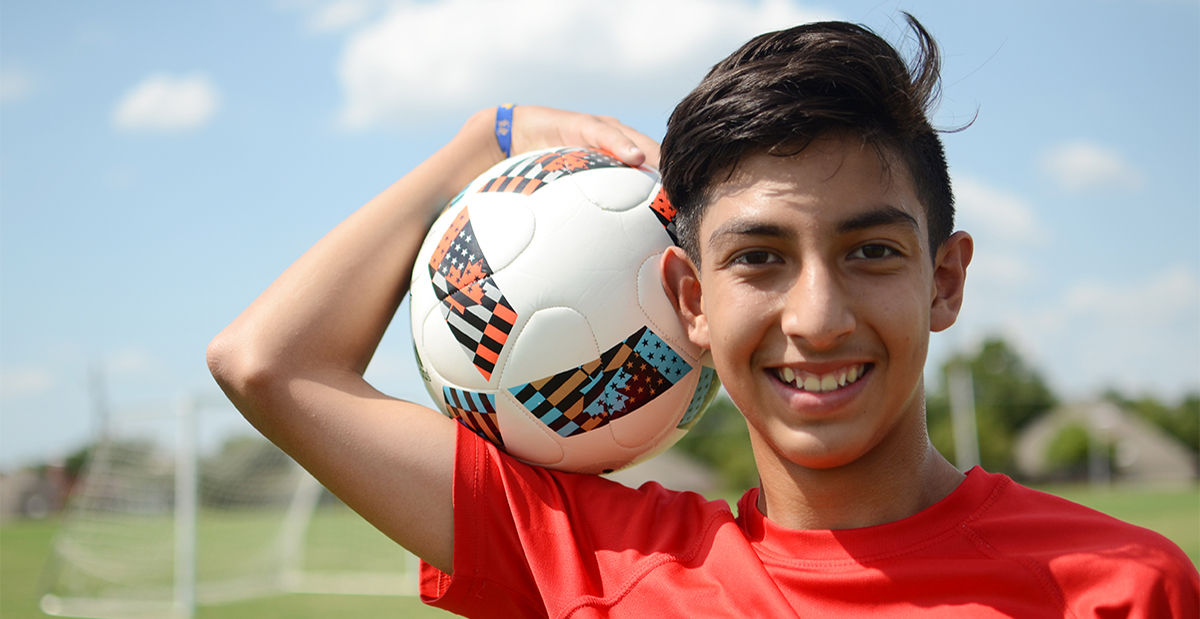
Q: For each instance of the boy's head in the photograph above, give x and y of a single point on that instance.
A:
(806, 174)
(782, 90)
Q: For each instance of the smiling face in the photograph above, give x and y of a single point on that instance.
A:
(816, 294)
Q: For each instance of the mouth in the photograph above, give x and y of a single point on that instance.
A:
(822, 383)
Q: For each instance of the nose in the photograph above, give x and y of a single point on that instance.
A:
(818, 310)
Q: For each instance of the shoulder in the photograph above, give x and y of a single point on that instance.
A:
(1090, 558)
(576, 514)
(595, 509)
(529, 537)
(1040, 522)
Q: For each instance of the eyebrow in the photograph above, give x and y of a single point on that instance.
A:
(750, 228)
(882, 216)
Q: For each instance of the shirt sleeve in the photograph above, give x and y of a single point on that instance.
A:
(529, 541)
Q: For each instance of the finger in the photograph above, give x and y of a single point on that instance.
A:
(646, 144)
(537, 127)
(612, 139)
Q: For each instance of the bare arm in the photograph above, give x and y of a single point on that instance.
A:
(293, 361)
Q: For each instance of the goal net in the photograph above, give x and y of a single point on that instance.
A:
(187, 505)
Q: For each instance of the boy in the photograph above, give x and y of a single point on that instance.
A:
(815, 217)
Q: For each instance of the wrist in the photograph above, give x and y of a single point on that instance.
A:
(468, 154)
(504, 128)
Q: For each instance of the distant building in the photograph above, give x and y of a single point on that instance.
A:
(1142, 452)
(33, 493)
(673, 469)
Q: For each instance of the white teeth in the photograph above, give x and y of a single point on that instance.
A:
(823, 383)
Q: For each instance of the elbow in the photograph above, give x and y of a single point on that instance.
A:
(241, 374)
(219, 356)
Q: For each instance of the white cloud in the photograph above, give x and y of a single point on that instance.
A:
(166, 103)
(1084, 166)
(1130, 335)
(340, 15)
(131, 361)
(1155, 300)
(1004, 227)
(1004, 214)
(327, 16)
(15, 84)
(422, 57)
(27, 381)
(1137, 336)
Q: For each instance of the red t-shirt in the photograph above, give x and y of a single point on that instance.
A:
(529, 542)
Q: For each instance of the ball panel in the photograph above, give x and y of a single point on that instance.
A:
(588, 254)
(526, 174)
(443, 352)
(476, 410)
(595, 452)
(622, 380)
(503, 226)
(433, 381)
(664, 211)
(655, 417)
(527, 438)
(550, 340)
(658, 310)
(706, 389)
(475, 310)
(432, 239)
(617, 189)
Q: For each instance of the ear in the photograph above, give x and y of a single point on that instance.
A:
(681, 282)
(949, 278)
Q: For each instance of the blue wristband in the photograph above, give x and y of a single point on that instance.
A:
(504, 128)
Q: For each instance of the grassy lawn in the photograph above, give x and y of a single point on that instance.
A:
(24, 550)
(1175, 514)
(339, 540)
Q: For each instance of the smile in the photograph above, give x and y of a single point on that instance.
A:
(821, 383)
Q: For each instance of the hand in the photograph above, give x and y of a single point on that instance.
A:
(537, 127)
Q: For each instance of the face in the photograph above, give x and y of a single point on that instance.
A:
(816, 295)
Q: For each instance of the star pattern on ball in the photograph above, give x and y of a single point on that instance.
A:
(477, 313)
(665, 213)
(625, 377)
(529, 174)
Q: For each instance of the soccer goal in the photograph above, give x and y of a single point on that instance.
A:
(186, 505)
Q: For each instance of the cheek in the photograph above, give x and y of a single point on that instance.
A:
(905, 332)
(900, 315)
(738, 320)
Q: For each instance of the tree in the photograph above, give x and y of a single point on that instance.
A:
(1181, 421)
(1008, 395)
(248, 471)
(721, 440)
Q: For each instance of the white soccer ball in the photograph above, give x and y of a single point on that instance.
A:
(540, 321)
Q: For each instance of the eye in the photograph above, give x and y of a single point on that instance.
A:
(874, 251)
(757, 257)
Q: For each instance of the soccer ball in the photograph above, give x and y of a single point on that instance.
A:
(539, 318)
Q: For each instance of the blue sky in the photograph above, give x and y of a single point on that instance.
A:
(162, 163)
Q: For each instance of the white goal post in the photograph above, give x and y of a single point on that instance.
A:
(186, 505)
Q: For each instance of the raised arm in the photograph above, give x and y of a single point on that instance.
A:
(293, 361)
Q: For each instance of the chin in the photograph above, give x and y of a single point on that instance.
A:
(814, 452)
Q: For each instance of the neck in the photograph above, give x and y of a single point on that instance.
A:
(888, 484)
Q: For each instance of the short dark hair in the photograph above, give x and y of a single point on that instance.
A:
(782, 90)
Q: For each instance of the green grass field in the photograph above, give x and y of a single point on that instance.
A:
(231, 543)
(25, 545)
